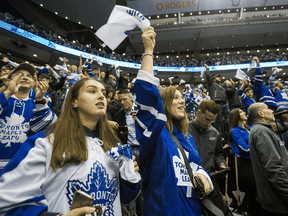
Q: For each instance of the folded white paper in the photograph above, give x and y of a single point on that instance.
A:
(122, 21)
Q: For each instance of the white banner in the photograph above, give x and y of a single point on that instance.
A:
(241, 75)
(121, 23)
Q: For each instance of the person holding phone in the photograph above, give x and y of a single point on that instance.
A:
(79, 152)
(166, 186)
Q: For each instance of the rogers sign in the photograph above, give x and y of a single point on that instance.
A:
(174, 5)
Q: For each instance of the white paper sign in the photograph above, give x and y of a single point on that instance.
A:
(241, 75)
(122, 21)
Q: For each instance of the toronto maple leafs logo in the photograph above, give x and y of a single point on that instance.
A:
(98, 185)
(284, 96)
(180, 169)
(14, 130)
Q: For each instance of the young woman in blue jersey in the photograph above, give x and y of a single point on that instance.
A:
(80, 152)
(238, 137)
(167, 188)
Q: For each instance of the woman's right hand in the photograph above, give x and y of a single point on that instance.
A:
(81, 211)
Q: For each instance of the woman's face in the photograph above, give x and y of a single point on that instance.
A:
(242, 115)
(177, 108)
(91, 102)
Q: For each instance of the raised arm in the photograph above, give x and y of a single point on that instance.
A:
(148, 38)
(271, 80)
(150, 118)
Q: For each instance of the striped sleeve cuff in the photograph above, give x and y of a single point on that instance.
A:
(144, 76)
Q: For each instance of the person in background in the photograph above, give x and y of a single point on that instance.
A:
(22, 114)
(79, 152)
(232, 94)
(125, 118)
(166, 186)
(269, 161)
(262, 92)
(217, 94)
(238, 137)
(209, 145)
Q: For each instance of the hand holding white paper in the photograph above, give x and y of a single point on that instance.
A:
(60, 67)
(203, 72)
(253, 63)
(61, 59)
(182, 81)
(278, 69)
(241, 75)
(170, 79)
(99, 61)
(122, 21)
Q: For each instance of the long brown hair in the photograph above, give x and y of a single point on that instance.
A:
(233, 119)
(168, 95)
(69, 141)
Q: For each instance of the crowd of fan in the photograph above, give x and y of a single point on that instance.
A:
(120, 94)
(221, 18)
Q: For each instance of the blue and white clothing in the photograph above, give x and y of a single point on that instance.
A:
(91, 74)
(131, 138)
(246, 101)
(20, 119)
(240, 145)
(28, 185)
(74, 77)
(281, 97)
(166, 185)
(262, 92)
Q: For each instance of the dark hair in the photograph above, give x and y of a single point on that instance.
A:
(109, 89)
(248, 89)
(208, 105)
(168, 95)
(233, 120)
(124, 91)
(68, 140)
